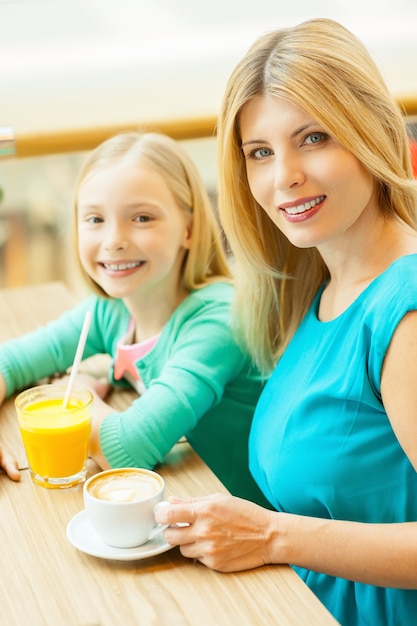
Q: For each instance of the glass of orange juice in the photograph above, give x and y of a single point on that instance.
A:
(55, 439)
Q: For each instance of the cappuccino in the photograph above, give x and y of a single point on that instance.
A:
(124, 486)
(120, 502)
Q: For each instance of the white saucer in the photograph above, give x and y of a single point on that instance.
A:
(83, 537)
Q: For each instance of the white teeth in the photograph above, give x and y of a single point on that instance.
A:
(118, 267)
(293, 210)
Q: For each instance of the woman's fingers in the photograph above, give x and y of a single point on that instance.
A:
(185, 510)
(223, 532)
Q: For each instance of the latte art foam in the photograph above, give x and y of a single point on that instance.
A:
(124, 487)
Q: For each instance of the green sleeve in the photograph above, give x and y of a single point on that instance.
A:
(51, 348)
(195, 363)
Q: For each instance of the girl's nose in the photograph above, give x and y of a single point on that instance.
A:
(116, 245)
(115, 240)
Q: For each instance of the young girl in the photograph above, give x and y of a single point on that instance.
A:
(319, 205)
(149, 246)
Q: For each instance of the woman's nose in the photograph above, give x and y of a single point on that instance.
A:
(288, 172)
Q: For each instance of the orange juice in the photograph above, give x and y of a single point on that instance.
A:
(55, 439)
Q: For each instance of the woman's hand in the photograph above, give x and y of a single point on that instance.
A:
(9, 464)
(225, 533)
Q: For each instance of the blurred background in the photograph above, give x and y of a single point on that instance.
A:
(72, 72)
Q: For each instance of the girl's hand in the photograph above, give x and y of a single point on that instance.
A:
(100, 387)
(225, 533)
(9, 464)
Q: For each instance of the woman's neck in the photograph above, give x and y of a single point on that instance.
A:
(351, 271)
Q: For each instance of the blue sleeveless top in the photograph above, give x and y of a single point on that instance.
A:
(321, 443)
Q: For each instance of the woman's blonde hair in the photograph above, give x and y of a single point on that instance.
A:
(326, 71)
(206, 259)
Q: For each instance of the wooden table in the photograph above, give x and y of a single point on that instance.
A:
(45, 581)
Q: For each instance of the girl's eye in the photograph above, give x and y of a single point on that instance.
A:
(142, 219)
(94, 219)
(313, 138)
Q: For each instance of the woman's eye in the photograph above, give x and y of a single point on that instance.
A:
(259, 153)
(315, 138)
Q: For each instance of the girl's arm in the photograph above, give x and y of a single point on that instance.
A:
(47, 350)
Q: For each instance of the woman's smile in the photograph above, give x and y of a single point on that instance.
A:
(301, 210)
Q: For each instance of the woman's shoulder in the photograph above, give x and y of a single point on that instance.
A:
(398, 280)
(403, 263)
(390, 296)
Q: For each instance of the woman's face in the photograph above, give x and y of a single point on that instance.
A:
(313, 189)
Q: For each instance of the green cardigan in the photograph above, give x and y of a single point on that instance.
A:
(199, 383)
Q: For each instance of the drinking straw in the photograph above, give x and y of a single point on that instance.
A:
(77, 358)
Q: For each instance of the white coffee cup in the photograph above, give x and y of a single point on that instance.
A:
(120, 505)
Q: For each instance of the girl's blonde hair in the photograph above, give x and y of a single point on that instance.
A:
(326, 71)
(206, 259)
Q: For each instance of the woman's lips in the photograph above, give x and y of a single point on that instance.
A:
(301, 211)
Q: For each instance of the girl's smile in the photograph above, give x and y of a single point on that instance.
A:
(121, 269)
(132, 234)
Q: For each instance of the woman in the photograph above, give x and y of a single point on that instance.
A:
(319, 205)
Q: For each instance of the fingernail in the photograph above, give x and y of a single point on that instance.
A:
(160, 505)
(156, 531)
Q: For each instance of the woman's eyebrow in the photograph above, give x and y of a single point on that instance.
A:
(253, 141)
(295, 133)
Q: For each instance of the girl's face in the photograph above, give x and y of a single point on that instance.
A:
(132, 234)
(314, 190)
